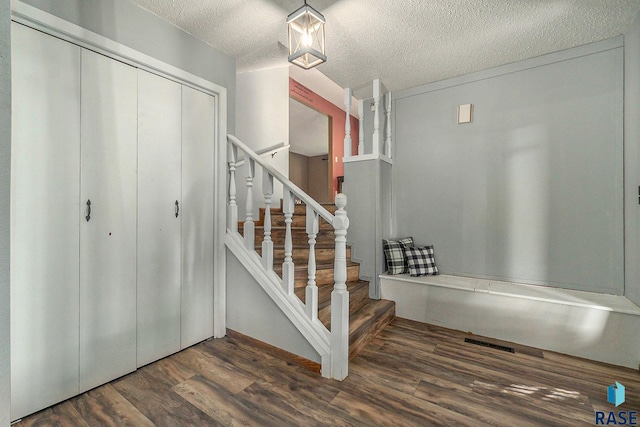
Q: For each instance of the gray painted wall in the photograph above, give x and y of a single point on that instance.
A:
(138, 29)
(531, 191)
(252, 312)
(359, 187)
(368, 189)
(632, 160)
(262, 119)
(5, 186)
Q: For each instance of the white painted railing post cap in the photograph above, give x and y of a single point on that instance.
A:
(340, 220)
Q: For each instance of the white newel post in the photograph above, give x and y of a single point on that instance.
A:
(361, 127)
(387, 142)
(347, 123)
(340, 295)
(249, 228)
(376, 117)
(288, 206)
(232, 208)
(311, 296)
(267, 243)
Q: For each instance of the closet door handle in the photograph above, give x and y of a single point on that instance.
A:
(177, 209)
(88, 217)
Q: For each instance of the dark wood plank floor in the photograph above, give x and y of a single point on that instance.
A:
(411, 374)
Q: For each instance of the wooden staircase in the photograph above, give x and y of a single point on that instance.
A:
(367, 316)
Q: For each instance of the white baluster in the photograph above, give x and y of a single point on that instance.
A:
(311, 297)
(361, 127)
(347, 123)
(387, 142)
(232, 208)
(249, 227)
(376, 117)
(340, 295)
(288, 267)
(267, 243)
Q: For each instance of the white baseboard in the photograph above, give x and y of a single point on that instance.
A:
(584, 324)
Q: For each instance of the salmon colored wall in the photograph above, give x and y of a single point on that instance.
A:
(308, 97)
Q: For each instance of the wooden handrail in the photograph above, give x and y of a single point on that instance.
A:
(324, 213)
(269, 150)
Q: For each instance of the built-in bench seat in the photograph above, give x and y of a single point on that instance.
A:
(585, 324)
(518, 290)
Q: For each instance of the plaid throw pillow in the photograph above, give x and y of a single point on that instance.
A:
(395, 258)
(421, 261)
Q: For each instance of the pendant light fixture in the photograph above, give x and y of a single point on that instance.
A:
(306, 37)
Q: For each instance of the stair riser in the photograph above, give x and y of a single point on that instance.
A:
(298, 221)
(301, 255)
(360, 338)
(302, 209)
(299, 237)
(325, 276)
(358, 294)
(357, 299)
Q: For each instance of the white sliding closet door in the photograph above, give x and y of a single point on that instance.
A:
(44, 220)
(108, 238)
(198, 131)
(159, 189)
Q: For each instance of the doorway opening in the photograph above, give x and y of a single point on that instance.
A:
(310, 151)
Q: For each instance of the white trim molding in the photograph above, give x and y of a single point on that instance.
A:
(65, 30)
(315, 332)
(364, 157)
(538, 61)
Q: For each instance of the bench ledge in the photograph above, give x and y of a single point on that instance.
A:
(594, 300)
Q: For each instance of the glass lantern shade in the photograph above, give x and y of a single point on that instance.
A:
(306, 37)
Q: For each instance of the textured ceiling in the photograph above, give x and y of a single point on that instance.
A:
(405, 43)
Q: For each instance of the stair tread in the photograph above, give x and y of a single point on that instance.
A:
(324, 292)
(358, 297)
(305, 267)
(367, 322)
(359, 319)
(293, 228)
(327, 289)
(318, 246)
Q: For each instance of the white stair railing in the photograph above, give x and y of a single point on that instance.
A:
(347, 124)
(249, 228)
(232, 207)
(361, 127)
(311, 296)
(381, 136)
(375, 142)
(337, 340)
(288, 268)
(267, 243)
(387, 110)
